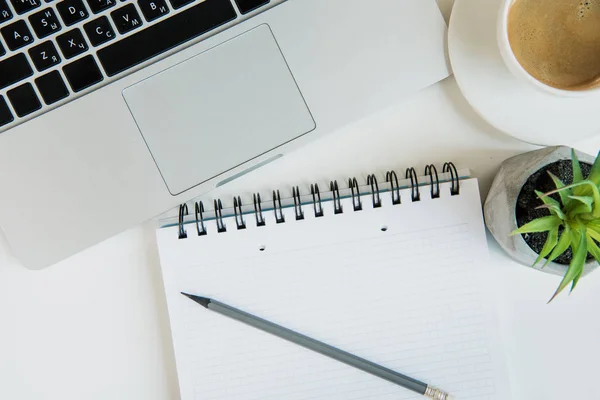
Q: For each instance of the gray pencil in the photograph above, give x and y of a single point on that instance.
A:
(322, 348)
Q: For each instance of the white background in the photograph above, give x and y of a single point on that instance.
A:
(95, 325)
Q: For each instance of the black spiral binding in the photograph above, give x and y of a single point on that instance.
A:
(183, 211)
(297, 204)
(316, 195)
(239, 216)
(390, 176)
(372, 180)
(337, 201)
(219, 216)
(353, 183)
(199, 207)
(451, 168)
(279, 217)
(414, 184)
(431, 170)
(260, 218)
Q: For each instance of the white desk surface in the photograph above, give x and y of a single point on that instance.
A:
(95, 326)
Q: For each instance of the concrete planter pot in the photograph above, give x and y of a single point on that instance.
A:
(501, 203)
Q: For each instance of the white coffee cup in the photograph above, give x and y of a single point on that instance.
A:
(515, 67)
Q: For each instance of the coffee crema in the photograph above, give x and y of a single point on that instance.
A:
(557, 41)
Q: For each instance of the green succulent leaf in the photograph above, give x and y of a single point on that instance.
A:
(563, 244)
(581, 205)
(593, 230)
(595, 172)
(549, 245)
(594, 192)
(579, 247)
(577, 175)
(554, 209)
(564, 194)
(542, 224)
(593, 248)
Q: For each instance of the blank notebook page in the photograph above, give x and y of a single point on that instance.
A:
(401, 285)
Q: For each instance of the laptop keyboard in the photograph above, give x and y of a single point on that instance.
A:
(54, 52)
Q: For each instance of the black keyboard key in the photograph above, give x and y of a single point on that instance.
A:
(165, 35)
(180, 3)
(72, 11)
(14, 69)
(82, 73)
(126, 18)
(245, 6)
(44, 56)
(5, 13)
(153, 9)
(16, 35)
(24, 100)
(2, 51)
(72, 43)
(5, 114)
(99, 31)
(100, 5)
(23, 6)
(44, 23)
(52, 87)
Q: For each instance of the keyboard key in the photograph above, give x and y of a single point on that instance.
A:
(52, 87)
(44, 23)
(165, 35)
(245, 6)
(22, 6)
(44, 56)
(100, 5)
(5, 114)
(72, 11)
(5, 13)
(180, 3)
(82, 73)
(126, 18)
(2, 51)
(14, 69)
(16, 35)
(24, 100)
(153, 9)
(72, 43)
(99, 31)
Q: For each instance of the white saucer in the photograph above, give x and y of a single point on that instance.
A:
(506, 102)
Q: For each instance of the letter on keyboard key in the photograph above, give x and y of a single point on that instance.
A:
(5, 13)
(99, 31)
(22, 6)
(72, 43)
(72, 11)
(44, 23)
(153, 9)
(5, 114)
(14, 69)
(44, 55)
(82, 73)
(17, 35)
(165, 35)
(24, 100)
(126, 18)
(246, 6)
(51, 87)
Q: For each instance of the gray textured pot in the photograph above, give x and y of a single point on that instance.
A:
(500, 204)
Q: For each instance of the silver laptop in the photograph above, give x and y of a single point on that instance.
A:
(114, 111)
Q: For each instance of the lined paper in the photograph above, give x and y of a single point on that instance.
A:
(411, 296)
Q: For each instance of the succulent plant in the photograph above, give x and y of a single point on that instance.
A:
(574, 222)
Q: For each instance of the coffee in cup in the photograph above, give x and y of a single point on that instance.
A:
(557, 42)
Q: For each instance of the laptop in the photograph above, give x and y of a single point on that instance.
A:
(114, 111)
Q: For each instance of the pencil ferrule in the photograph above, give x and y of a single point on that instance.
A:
(435, 394)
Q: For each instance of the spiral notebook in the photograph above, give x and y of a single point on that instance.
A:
(392, 270)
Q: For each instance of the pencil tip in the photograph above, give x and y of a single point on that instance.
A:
(203, 301)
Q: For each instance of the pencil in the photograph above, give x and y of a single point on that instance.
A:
(322, 348)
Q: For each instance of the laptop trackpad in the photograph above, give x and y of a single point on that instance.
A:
(219, 109)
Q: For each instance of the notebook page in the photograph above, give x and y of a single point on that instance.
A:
(411, 297)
